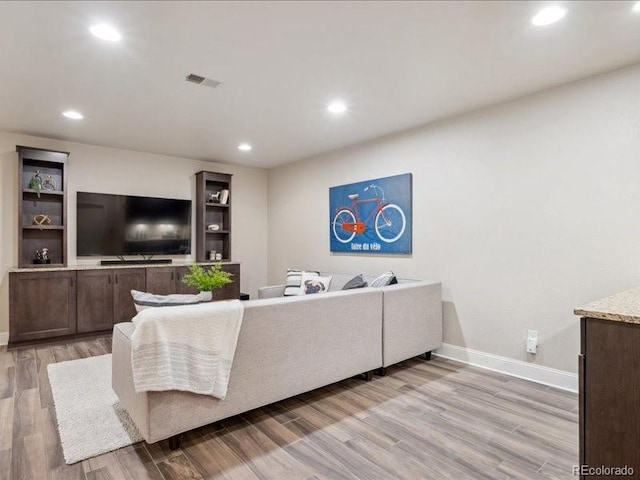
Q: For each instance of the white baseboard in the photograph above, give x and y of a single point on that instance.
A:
(4, 338)
(515, 368)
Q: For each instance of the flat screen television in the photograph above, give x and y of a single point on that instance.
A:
(128, 225)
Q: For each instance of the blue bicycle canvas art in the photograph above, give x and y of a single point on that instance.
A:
(373, 216)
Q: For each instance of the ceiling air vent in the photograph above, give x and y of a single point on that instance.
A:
(200, 80)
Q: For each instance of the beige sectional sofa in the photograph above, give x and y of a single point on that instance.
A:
(411, 315)
(291, 345)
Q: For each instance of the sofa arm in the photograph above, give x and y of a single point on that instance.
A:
(136, 404)
(412, 320)
(271, 291)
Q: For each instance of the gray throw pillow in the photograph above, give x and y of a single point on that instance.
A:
(355, 282)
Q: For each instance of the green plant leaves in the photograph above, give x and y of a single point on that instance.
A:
(207, 279)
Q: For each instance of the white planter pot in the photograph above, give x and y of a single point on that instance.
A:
(206, 296)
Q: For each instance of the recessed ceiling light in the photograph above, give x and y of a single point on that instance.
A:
(105, 32)
(636, 7)
(72, 114)
(337, 107)
(549, 15)
(245, 147)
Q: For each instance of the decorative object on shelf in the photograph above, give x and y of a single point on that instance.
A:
(42, 219)
(224, 196)
(36, 183)
(212, 255)
(218, 256)
(42, 257)
(214, 227)
(213, 197)
(209, 279)
(48, 183)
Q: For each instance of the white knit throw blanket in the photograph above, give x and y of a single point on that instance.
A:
(188, 348)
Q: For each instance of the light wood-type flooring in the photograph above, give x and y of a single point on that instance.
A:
(424, 420)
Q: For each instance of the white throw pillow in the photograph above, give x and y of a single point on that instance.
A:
(294, 278)
(387, 278)
(311, 283)
(144, 300)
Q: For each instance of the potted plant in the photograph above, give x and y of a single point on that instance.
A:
(36, 183)
(208, 279)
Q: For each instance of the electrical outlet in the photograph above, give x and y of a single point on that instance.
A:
(532, 341)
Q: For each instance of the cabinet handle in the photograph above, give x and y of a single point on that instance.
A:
(71, 281)
(172, 276)
(116, 278)
(109, 279)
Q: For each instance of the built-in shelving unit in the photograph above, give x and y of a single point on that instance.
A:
(213, 213)
(50, 201)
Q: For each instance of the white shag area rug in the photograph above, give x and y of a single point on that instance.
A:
(91, 420)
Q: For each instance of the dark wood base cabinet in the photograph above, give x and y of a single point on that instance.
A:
(42, 305)
(609, 372)
(52, 304)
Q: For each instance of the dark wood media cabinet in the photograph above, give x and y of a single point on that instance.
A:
(47, 303)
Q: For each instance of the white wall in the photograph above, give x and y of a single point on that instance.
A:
(100, 169)
(523, 210)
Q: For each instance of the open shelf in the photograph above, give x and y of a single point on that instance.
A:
(46, 265)
(50, 167)
(209, 184)
(42, 192)
(43, 227)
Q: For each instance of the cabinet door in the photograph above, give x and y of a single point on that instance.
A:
(161, 280)
(231, 291)
(42, 305)
(126, 279)
(611, 374)
(95, 300)
(181, 287)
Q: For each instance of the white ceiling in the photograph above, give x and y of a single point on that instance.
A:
(396, 64)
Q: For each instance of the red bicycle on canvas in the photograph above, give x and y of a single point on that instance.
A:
(389, 219)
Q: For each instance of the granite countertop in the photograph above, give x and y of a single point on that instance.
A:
(110, 267)
(621, 307)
